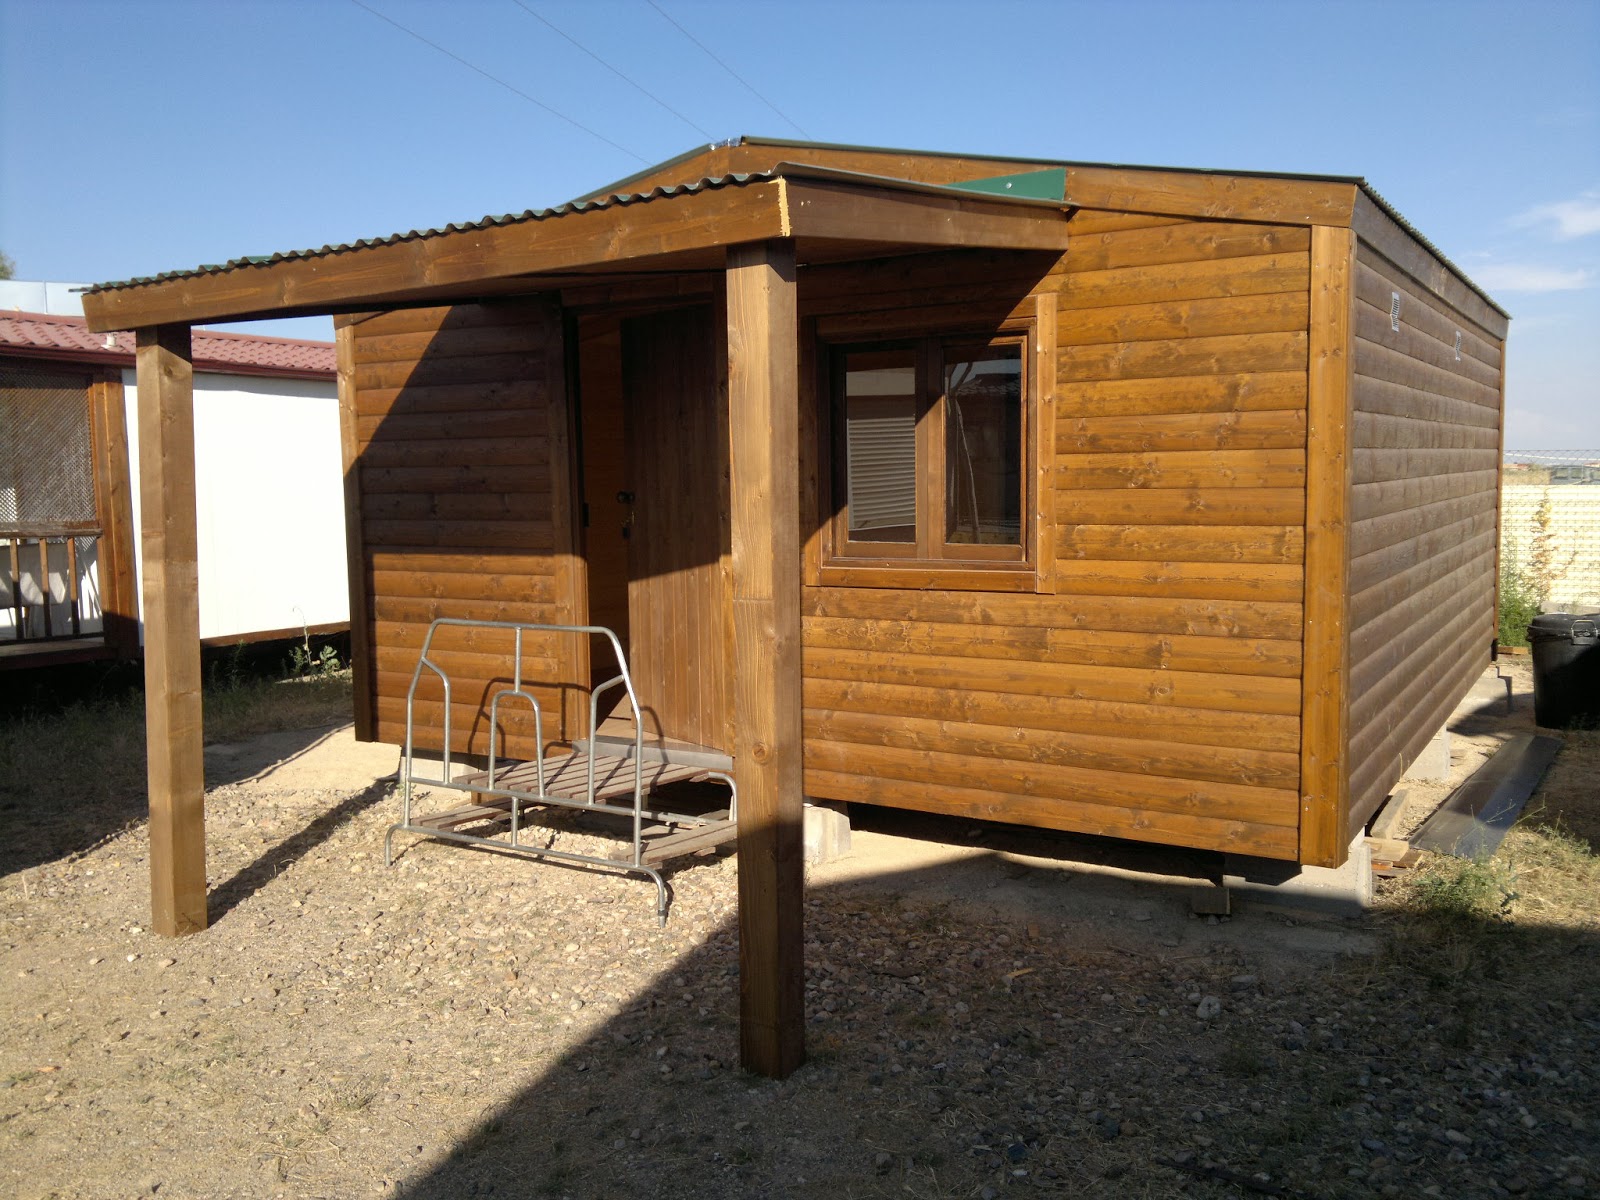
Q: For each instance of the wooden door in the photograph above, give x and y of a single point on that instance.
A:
(679, 620)
(605, 479)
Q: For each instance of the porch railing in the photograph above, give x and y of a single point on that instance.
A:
(42, 553)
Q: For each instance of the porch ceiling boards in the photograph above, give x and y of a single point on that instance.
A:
(829, 215)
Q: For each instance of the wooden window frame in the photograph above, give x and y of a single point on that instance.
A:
(930, 562)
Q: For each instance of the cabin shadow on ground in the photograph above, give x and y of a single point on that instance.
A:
(956, 1047)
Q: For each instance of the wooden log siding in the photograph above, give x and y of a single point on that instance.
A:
(1156, 694)
(1424, 519)
(457, 427)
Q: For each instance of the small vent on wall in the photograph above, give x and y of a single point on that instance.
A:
(1394, 312)
(1458, 345)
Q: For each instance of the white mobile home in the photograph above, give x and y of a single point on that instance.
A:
(268, 483)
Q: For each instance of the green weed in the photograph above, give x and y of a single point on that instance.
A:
(1456, 889)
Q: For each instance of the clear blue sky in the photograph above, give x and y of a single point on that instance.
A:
(149, 135)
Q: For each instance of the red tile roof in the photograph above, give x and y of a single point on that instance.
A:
(41, 335)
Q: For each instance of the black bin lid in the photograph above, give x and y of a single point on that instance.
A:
(1577, 628)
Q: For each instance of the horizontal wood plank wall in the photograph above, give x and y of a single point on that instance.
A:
(460, 446)
(1156, 695)
(1424, 511)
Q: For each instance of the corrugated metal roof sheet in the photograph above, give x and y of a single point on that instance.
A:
(533, 214)
(614, 197)
(69, 338)
(1355, 180)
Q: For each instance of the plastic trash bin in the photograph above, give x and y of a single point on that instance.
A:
(1566, 669)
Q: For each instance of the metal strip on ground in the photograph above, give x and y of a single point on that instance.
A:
(1472, 822)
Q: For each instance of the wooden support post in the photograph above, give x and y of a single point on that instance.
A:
(171, 632)
(764, 433)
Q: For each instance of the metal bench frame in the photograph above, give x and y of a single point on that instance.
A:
(497, 798)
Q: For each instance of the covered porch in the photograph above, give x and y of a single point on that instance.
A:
(620, 285)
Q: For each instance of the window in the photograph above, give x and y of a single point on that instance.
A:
(931, 452)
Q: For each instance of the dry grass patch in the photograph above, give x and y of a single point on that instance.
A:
(1568, 801)
(72, 779)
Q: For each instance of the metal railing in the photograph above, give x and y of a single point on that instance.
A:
(551, 788)
(32, 554)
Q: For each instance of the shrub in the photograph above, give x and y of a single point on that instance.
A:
(1519, 602)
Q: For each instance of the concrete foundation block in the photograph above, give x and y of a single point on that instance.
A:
(827, 831)
(1345, 891)
(1433, 764)
(1210, 900)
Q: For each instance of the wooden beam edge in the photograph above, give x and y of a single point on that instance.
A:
(1325, 673)
(369, 277)
(1426, 266)
(836, 211)
(361, 658)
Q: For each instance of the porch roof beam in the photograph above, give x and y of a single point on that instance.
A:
(685, 229)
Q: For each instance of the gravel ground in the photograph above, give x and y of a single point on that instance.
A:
(465, 1024)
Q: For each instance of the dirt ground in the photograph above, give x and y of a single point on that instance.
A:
(988, 1014)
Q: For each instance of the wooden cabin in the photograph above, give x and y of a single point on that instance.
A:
(1203, 554)
(1144, 502)
(69, 451)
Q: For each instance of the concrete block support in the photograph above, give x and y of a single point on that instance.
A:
(1433, 764)
(827, 831)
(1339, 891)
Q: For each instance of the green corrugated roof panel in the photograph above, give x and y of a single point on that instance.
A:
(1028, 185)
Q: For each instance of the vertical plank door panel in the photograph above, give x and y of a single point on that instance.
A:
(677, 598)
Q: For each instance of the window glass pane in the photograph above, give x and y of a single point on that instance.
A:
(983, 444)
(880, 414)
